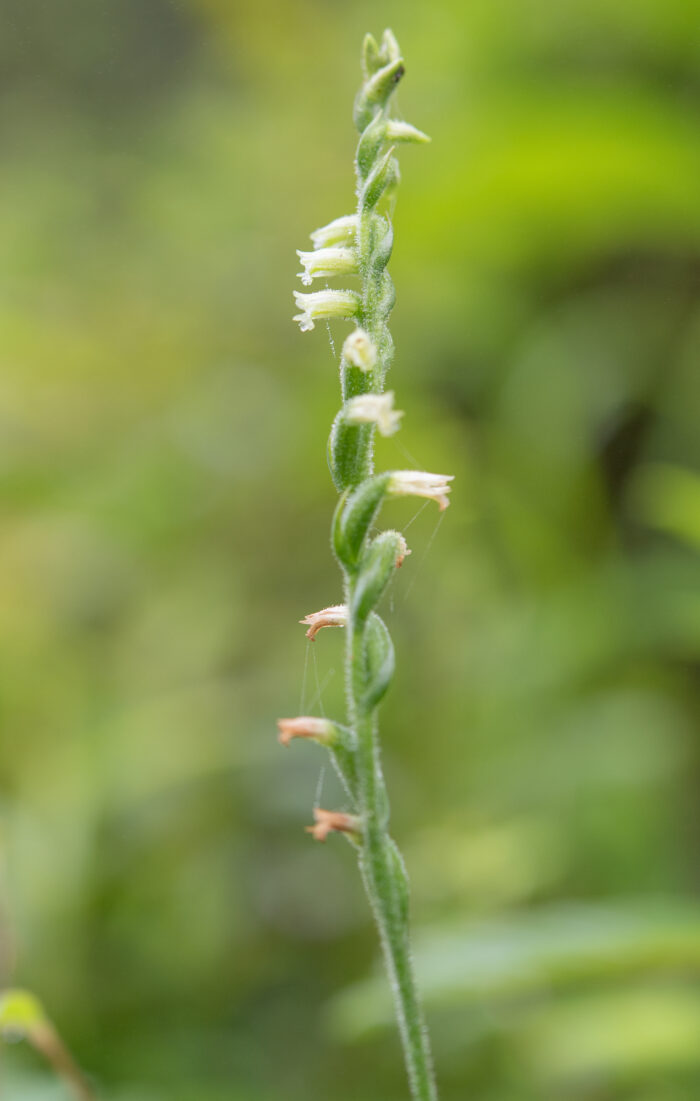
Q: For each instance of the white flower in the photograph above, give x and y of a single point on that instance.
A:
(339, 232)
(322, 304)
(374, 409)
(418, 483)
(326, 262)
(320, 730)
(335, 616)
(359, 350)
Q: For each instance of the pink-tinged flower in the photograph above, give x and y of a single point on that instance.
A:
(322, 305)
(334, 821)
(335, 616)
(418, 483)
(359, 350)
(319, 730)
(374, 409)
(326, 262)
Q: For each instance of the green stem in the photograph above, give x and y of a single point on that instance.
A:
(384, 876)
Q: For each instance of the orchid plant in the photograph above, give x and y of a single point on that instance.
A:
(359, 245)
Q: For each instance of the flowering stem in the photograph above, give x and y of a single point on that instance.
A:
(361, 244)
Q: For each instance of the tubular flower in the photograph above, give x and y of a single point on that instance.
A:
(324, 304)
(326, 262)
(374, 409)
(333, 821)
(418, 483)
(341, 231)
(335, 616)
(305, 726)
(360, 351)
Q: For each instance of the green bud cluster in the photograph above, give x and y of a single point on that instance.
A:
(359, 246)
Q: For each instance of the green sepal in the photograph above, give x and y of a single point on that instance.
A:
(382, 178)
(356, 518)
(379, 661)
(374, 93)
(381, 253)
(371, 57)
(348, 451)
(370, 143)
(375, 571)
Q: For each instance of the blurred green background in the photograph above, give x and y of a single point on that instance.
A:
(166, 504)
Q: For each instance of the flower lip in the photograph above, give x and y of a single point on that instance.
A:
(420, 483)
(335, 616)
(334, 821)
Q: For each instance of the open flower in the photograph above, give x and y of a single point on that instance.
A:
(418, 483)
(324, 304)
(341, 231)
(374, 409)
(335, 616)
(359, 350)
(333, 821)
(305, 726)
(327, 262)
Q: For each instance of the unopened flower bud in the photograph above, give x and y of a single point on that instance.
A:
(360, 351)
(320, 305)
(383, 176)
(341, 231)
(418, 483)
(403, 131)
(335, 616)
(374, 409)
(327, 262)
(334, 821)
(305, 726)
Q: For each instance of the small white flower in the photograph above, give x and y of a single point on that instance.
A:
(374, 409)
(339, 232)
(324, 304)
(360, 351)
(327, 262)
(335, 616)
(418, 483)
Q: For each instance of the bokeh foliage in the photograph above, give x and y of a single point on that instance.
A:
(165, 512)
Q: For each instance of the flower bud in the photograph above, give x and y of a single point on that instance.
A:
(376, 569)
(403, 131)
(324, 304)
(375, 92)
(371, 57)
(327, 262)
(418, 483)
(360, 351)
(334, 821)
(374, 409)
(383, 176)
(335, 616)
(341, 231)
(305, 726)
